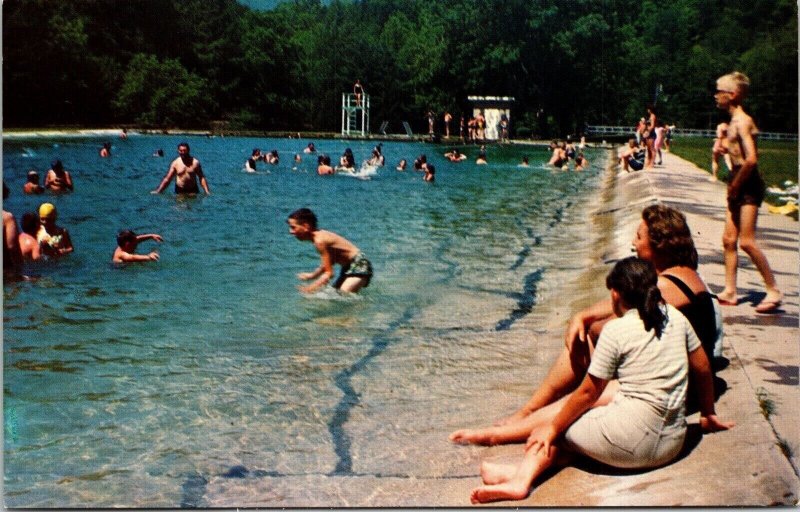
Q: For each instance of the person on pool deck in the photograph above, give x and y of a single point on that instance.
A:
(53, 239)
(719, 150)
(250, 165)
(32, 185)
(646, 349)
(745, 193)
(127, 241)
(58, 179)
(358, 91)
(633, 156)
(333, 249)
(663, 238)
(28, 244)
(186, 170)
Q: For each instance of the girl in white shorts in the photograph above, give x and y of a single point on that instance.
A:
(650, 348)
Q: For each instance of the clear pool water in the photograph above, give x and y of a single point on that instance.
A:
(137, 386)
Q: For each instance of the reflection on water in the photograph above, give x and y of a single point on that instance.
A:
(139, 386)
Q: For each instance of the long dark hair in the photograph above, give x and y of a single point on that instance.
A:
(636, 282)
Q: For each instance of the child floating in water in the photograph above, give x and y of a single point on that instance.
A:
(333, 249)
(127, 241)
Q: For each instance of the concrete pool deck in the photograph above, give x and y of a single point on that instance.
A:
(742, 467)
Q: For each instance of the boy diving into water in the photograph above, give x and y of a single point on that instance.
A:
(333, 249)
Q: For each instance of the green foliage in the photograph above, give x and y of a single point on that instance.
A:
(162, 93)
(567, 63)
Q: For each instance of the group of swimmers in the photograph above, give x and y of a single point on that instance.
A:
(564, 153)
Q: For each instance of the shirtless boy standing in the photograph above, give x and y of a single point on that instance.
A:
(333, 249)
(186, 170)
(745, 193)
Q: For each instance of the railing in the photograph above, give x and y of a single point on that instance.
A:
(686, 132)
(354, 110)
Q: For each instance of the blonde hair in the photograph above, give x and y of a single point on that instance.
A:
(738, 80)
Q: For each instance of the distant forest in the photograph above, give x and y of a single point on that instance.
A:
(187, 63)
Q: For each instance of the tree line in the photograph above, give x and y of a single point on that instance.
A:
(567, 63)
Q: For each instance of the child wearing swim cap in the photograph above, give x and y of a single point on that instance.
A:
(54, 240)
(127, 241)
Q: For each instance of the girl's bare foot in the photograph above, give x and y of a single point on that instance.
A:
(470, 436)
(506, 491)
(493, 473)
(727, 298)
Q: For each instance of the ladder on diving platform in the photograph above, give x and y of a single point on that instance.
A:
(355, 115)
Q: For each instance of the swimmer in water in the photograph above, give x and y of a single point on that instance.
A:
(481, 160)
(53, 239)
(524, 162)
(324, 165)
(401, 166)
(310, 148)
(32, 185)
(333, 249)
(186, 170)
(430, 173)
(27, 239)
(250, 165)
(580, 162)
(455, 156)
(127, 241)
(105, 151)
(58, 179)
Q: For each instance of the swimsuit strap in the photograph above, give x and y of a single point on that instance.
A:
(683, 287)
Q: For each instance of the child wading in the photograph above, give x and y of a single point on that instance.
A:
(333, 249)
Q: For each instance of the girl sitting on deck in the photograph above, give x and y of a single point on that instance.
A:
(664, 239)
(644, 426)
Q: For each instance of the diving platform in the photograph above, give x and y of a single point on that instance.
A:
(355, 115)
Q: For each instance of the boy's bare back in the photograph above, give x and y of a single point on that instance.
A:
(342, 251)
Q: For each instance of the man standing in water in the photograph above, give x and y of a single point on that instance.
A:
(745, 193)
(186, 170)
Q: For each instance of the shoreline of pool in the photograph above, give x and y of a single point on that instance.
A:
(746, 466)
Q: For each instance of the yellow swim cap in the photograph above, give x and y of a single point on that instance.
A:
(46, 209)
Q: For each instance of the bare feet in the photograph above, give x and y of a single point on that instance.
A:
(493, 473)
(770, 303)
(506, 491)
(727, 298)
(471, 436)
(510, 419)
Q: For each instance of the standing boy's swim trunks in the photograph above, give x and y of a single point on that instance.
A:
(358, 267)
(751, 192)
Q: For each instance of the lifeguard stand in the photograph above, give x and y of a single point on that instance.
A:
(355, 117)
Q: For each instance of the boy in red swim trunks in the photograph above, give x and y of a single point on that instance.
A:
(745, 193)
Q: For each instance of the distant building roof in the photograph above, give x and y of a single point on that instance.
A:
(490, 98)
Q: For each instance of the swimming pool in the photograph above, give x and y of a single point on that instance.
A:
(136, 386)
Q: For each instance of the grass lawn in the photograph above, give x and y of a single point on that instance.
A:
(777, 160)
